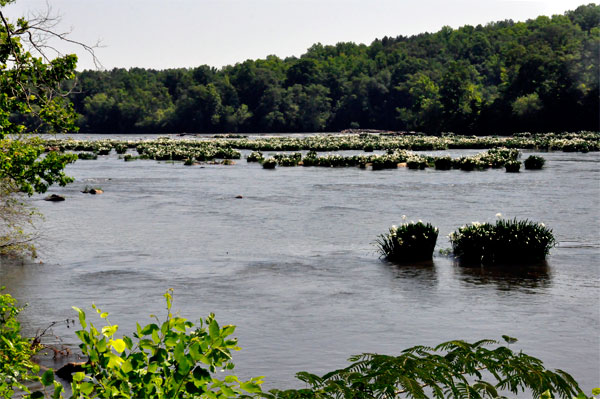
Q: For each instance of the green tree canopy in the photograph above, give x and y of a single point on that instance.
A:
(503, 77)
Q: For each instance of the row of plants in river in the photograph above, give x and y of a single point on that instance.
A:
(581, 142)
(506, 241)
(494, 158)
(179, 359)
(191, 151)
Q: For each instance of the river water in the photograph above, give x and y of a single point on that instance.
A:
(293, 264)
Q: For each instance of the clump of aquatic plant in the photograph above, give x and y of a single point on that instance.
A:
(188, 162)
(120, 148)
(416, 163)
(512, 166)
(520, 241)
(87, 155)
(288, 159)
(408, 242)
(255, 156)
(467, 164)
(498, 157)
(534, 162)
(443, 163)
(129, 157)
(269, 163)
(384, 162)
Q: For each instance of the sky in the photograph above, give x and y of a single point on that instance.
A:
(163, 34)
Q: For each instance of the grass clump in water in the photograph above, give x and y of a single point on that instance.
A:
(534, 162)
(255, 156)
(520, 241)
(269, 163)
(408, 242)
(512, 166)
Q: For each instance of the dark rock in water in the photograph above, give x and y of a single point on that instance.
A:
(66, 371)
(54, 198)
(239, 196)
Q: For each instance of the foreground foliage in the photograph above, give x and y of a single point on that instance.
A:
(176, 359)
(519, 241)
(454, 369)
(408, 242)
(16, 366)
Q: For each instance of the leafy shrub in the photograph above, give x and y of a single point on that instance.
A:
(16, 366)
(534, 162)
(512, 166)
(175, 359)
(408, 242)
(506, 241)
(416, 163)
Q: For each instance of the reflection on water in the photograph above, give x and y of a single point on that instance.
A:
(422, 274)
(292, 263)
(505, 277)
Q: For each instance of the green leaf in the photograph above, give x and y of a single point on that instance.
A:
(81, 315)
(228, 330)
(250, 387)
(127, 367)
(147, 330)
(510, 340)
(118, 345)
(213, 329)
(109, 331)
(48, 378)
(78, 376)
(86, 388)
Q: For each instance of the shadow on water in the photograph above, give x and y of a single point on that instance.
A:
(505, 277)
(422, 273)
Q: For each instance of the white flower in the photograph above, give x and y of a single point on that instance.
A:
(476, 224)
(498, 215)
(403, 217)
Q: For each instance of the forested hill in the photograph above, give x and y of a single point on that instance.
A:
(500, 78)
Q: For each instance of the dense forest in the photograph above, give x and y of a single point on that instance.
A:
(505, 77)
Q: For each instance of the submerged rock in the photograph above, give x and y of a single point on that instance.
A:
(54, 198)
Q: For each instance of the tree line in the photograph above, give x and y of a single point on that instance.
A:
(504, 77)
